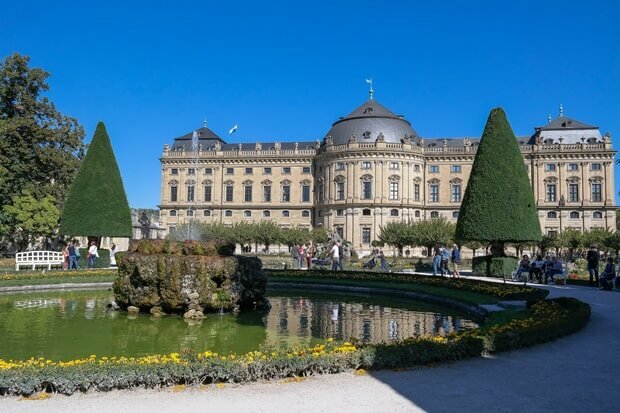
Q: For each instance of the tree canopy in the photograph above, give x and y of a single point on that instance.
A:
(30, 218)
(40, 148)
(498, 205)
(97, 205)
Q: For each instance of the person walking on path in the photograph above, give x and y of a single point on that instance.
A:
(335, 253)
(384, 263)
(93, 254)
(73, 257)
(65, 257)
(593, 257)
(113, 256)
(445, 259)
(302, 256)
(455, 257)
(436, 258)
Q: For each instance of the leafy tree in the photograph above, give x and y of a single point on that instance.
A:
(613, 242)
(244, 233)
(397, 234)
(546, 243)
(473, 246)
(571, 239)
(320, 235)
(267, 233)
(596, 236)
(294, 236)
(30, 218)
(498, 205)
(429, 232)
(97, 205)
(40, 148)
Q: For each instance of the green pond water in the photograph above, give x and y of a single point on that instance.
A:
(64, 325)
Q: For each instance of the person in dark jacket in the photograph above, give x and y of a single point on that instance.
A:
(608, 275)
(593, 257)
(456, 260)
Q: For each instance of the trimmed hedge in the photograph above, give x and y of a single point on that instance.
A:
(501, 291)
(480, 265)
(549, 319)
(188, 247)
(22, 275)
(502, 267)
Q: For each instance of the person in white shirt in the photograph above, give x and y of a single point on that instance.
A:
(335, 253)
(93, 254)
(112, 256)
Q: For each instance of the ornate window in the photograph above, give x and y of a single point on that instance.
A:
(597, 215)
(247, 213)
(455, 214)
(340, 212)
(434, 214)
(266, 214)
(190, 212)
(339, 181)
(394, 181)
(416, 214)
(549, 167)
(208, 171)
(229, 188)
(247, 191)
(455, 190)
(596, 188)
(595, 166)
(366, 164)
(206, 213)
(228, 213)
(208, 190)
(286, 213)
(572, 167)
(455, 169)
(267, 171)
(551, 190)
(394, 212)
(366, 181)
(340, 166)
(191, 186)
(574, 215)
(366, 212)
(248, 171)
(366, 235)
(174, 171)
(174, 191)
(173, 213)
(433, 190)
(305, 214)
(552, 215)
(433, 169)
(321, 190)
(573, 189)
(286, 190)
(305, 190)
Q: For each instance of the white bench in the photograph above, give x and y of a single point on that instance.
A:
(38, 258)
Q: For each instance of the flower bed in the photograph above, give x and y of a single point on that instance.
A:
(59, 274)
(548, 319)
(501, 291)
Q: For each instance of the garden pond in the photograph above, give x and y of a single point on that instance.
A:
(64, 325)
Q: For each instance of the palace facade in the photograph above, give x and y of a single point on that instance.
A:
(371, 168)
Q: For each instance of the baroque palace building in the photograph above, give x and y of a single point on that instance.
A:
(371, 168)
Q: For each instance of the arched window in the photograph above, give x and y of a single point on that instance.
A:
(190, 212)
(574, 214)
(207, 212)
(417, 214)
(286, 214)
(339, 212)
(434, 214)
(247, 213)
(173, 213)
(320, 213)
(394, 212)
(366, 212)
(455, 214)
(552, 215)
(305, 214)
(228, 213)
(597, 215)
(266, 214)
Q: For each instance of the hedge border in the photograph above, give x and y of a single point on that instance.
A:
(549, 320)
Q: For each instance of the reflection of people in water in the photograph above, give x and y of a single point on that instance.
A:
(335, 313)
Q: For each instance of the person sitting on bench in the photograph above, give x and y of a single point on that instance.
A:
(524, 266)
(553, 268)
(608, 275)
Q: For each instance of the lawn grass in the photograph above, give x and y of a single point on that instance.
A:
(465, 296)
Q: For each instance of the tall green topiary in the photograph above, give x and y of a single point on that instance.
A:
(97, 205)
(498, 205)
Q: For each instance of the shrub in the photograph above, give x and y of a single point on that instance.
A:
(480, 265)
(502, 266)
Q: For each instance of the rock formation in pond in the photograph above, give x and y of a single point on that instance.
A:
(190, 277)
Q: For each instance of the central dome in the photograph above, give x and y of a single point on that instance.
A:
(367, 122)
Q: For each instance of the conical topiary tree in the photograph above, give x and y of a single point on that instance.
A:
(498, 205)
(97, 205)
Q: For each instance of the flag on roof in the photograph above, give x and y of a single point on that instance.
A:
(232, 130)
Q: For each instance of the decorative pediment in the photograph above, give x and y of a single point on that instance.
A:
(229, 182)
(190, 182)
(366, 178)
(306, 182)
(173, 182)
(551, 180)
(285, 182)
(394, 178)
(247, 182)
(417, 179)
(596, 179)
(339, 178)
(456, 181)
(433, 181)
(573, 179)
(266, 182)
(207, 182)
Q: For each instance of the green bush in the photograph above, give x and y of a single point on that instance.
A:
(502, 266)
(480, 265)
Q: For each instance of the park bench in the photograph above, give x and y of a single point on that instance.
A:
(38, 258)
(525, 275)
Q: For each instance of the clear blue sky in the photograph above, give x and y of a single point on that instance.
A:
(153, 70)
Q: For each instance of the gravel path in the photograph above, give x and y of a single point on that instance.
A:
(574, 374)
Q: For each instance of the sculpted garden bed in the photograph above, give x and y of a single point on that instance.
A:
(546, 320)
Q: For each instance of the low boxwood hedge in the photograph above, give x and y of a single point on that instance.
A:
(29, 275)
(548, 320)
(501, 291)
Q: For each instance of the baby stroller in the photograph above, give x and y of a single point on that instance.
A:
(370, 264)
(322, 263)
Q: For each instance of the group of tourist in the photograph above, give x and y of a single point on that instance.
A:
(377, 255)
(302, 255)
(443, 256)
(71, 255)
(539, 268)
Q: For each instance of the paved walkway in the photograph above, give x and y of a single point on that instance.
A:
(574, 374)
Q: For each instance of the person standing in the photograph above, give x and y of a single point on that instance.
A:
(436, 258)
(456, 260)
(384, 264)
(295, 255)
(309, 255)
(593, 258)
(73, 259)
(302, 256)
(65, 257)
(113, 255)
(93, 254)
(445, 259)
(335, 253)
